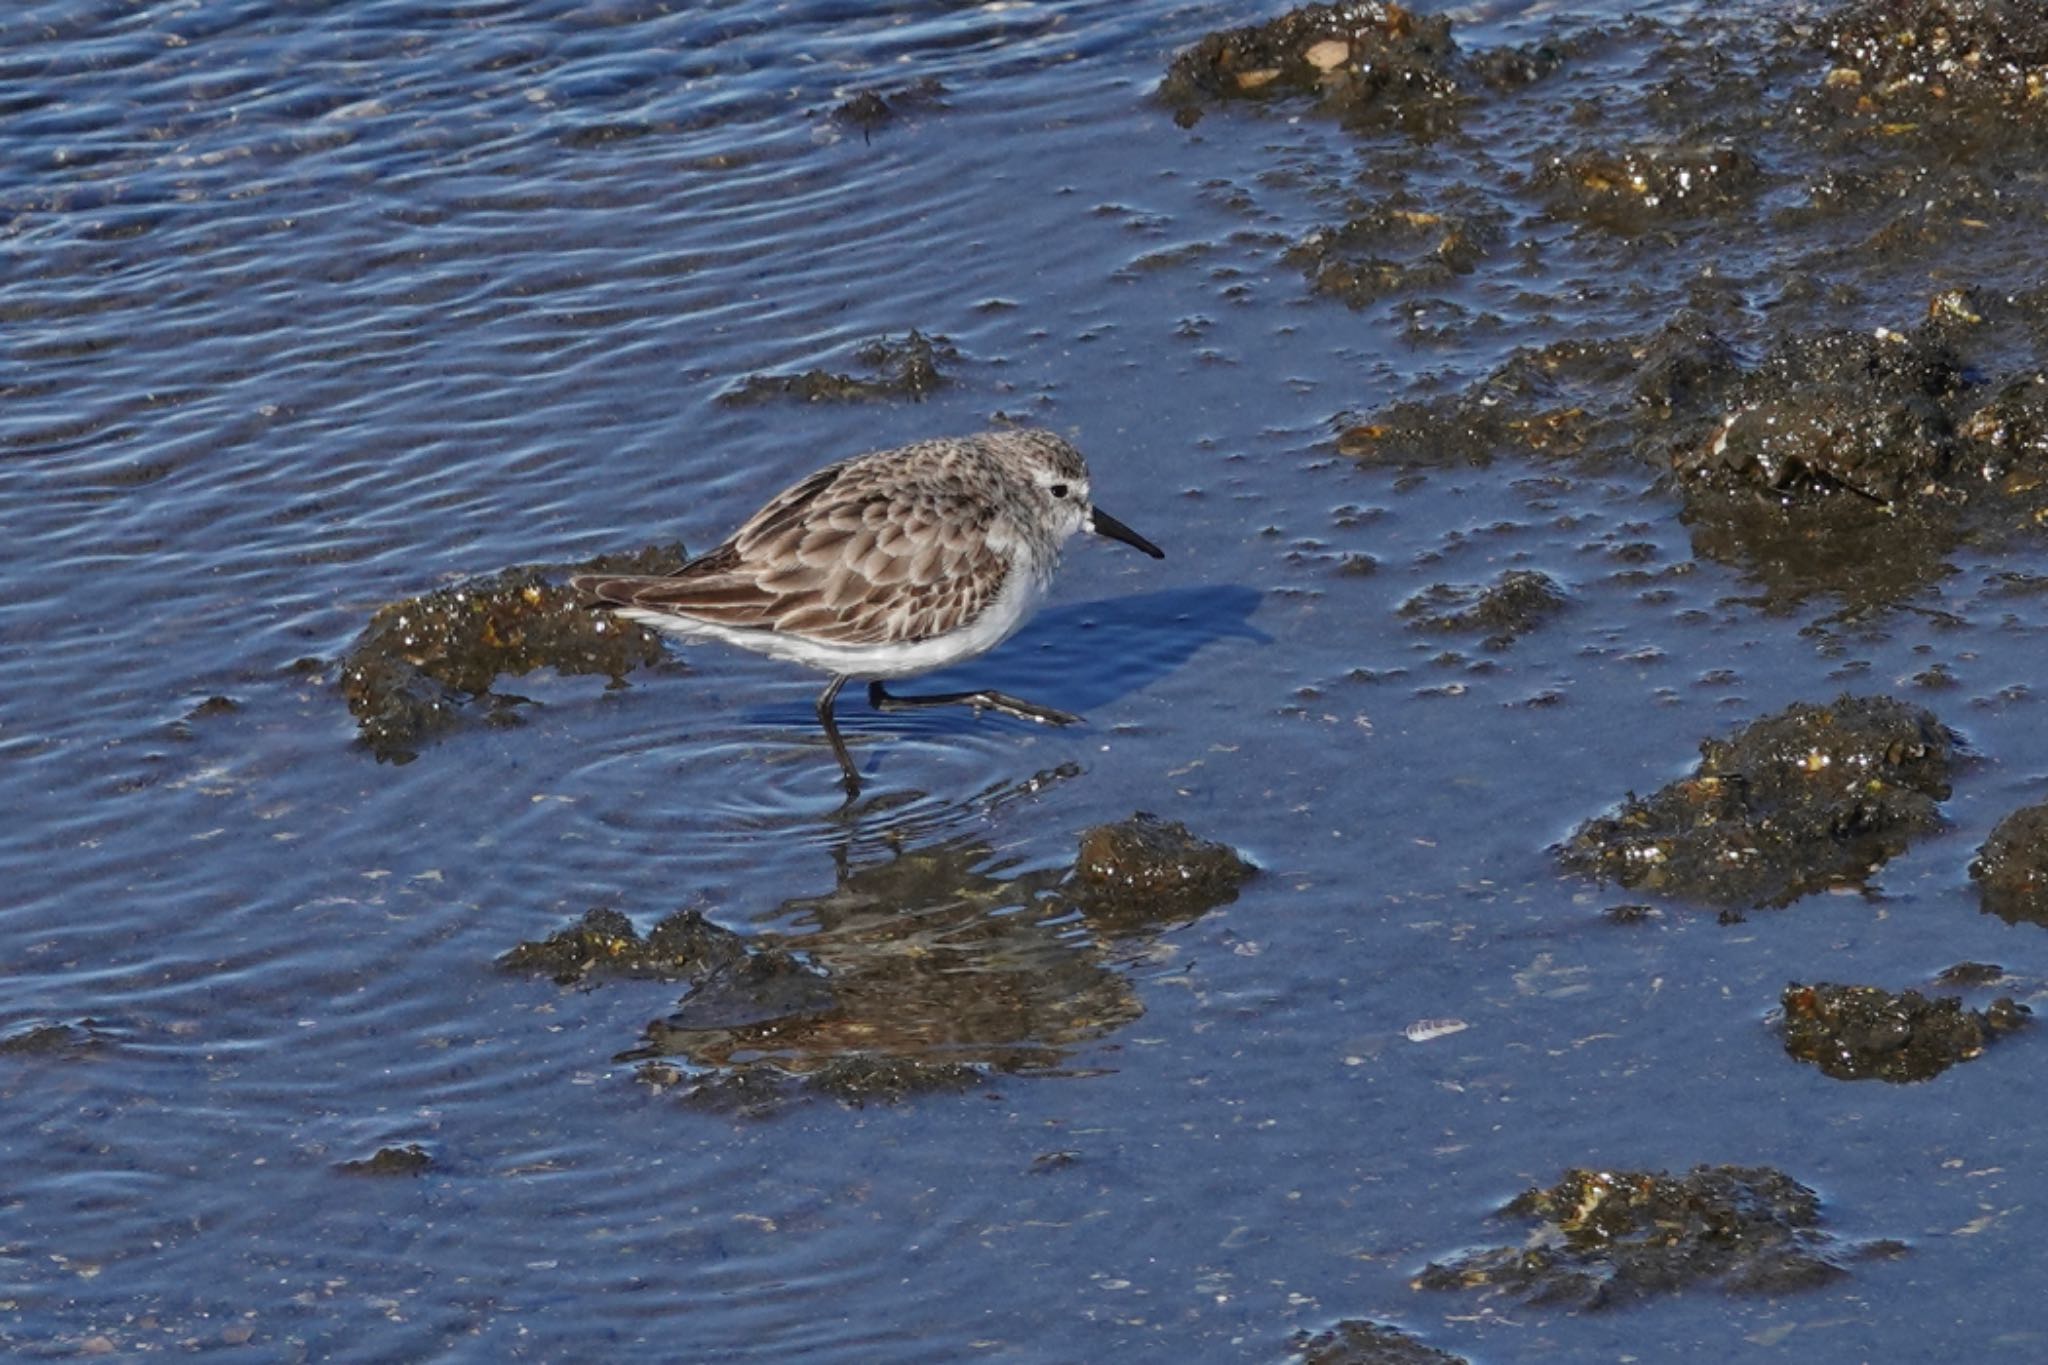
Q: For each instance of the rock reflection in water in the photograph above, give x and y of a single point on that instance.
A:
(935, 965)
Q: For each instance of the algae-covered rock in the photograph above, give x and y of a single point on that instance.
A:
(605, 943)
(427, 663)
(2007, 433)
(1357, 1341)
(1634, 188)
(1869, 415)
(2011, 869)
(1144, 869)
(897, 369)
(1812, 797)
(410, 1159)
(1393, 246)
(1606, 1238)
(1856, 1033)
(1893, 59)
(1354, 56)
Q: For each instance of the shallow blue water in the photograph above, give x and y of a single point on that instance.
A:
(310, 310)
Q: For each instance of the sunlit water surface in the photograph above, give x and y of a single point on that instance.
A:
(310, 309)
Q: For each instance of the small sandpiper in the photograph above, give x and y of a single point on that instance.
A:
(889, 564)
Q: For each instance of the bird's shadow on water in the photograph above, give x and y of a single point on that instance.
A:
(1081, 658)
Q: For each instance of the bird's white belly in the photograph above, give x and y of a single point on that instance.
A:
(902, 660)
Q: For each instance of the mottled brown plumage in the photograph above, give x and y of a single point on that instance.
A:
(888, 564)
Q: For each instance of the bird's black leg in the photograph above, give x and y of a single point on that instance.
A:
(825, 700)
(881, 699)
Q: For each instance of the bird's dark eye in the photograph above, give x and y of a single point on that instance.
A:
(1059, 490)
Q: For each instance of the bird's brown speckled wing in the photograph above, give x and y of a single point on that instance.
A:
(867, 552)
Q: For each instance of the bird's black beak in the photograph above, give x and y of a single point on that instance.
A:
(1103, 524)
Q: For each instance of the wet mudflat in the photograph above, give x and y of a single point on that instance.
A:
(1587, 721)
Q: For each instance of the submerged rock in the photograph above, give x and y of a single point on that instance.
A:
(2011, 869)
(871, 108)
(1541, 400)
(1812, 797)
(53, 1040)
(605, 943)
(898, 369)
(1510, 607)
(1856, 1033)
(860, 1078)
(855, 1079)
(1606, 1238)
(766, 987)
(1394, 246)
(411, 1159)
(1356, 1341)
(424, 664)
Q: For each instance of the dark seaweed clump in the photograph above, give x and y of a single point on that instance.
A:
(1812, 797)
(2011, 869)
(1607, 1238)
(1857, 1033)
(1357, 1341)
(424, 664)
(896, 369)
